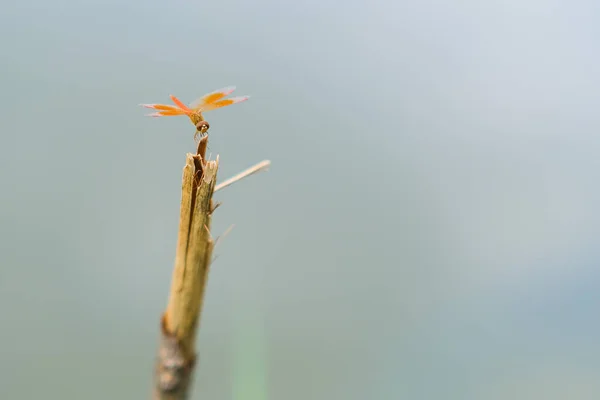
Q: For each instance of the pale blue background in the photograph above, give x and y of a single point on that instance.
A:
(428, 229)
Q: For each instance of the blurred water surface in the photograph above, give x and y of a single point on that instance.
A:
(428, 229)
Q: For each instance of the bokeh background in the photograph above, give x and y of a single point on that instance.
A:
(428, 229)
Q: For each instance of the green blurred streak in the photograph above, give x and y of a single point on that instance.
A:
(250, 366)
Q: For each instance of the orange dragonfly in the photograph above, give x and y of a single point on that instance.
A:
(208, 102)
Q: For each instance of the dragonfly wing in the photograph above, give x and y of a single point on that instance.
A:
(164, 110)
(210, 98)
(222, 103)
(167, 110)
(162, 107)
(180, 104)
(168, 113)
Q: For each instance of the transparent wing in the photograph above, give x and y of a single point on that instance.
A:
(167, 113)
(221, 103)
(180, 104)
(167, 110)
(163, 107)
(211, 98)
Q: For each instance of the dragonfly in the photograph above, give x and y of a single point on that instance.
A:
(208, 102)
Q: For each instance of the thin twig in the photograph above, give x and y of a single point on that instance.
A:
(222, 236)
(261, 166)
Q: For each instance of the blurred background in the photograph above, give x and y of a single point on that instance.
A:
(428, 228)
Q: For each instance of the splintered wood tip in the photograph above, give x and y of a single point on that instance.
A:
(202, 145)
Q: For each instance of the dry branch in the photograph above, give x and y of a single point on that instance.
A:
(177, 353)
(192, 260)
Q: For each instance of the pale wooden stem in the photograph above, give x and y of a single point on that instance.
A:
(193, 255)
(177, 354)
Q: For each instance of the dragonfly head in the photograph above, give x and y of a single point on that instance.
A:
(202, 126)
